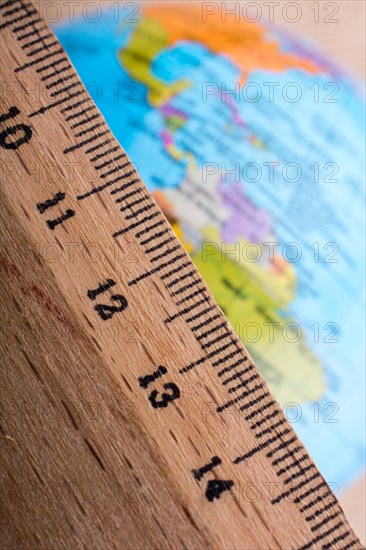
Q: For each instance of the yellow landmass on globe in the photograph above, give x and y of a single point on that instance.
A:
(277, 277)
(251, 302)
(146, 42)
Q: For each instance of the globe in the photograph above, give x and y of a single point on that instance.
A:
(251, 142)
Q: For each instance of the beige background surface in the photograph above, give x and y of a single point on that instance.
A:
(344, 40)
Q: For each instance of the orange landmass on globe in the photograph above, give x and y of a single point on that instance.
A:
(244, 42)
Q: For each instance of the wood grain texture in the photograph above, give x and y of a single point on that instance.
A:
(89, 459)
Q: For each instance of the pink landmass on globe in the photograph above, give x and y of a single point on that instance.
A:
(246, 220)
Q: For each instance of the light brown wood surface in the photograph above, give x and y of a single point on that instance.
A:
(87, 460)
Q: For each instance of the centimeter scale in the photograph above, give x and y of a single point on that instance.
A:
(132, 415)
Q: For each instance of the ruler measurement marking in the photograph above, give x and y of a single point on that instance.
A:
(164, 254)
(236, 400)
(40, 60)
(325, 521)
(112, 160)
(298, 474)
(130, 205)
(190, 296)
(180, 279)
(338, 539)
(219, 338)
(265, 419)
(136, 224)
(186, 310)
(261, 409)
(175, 270)
(88, 130)
(59, 81)
(212, 330)
(311, 491)
(282, 446)
(8, 3)
(17, 20)
(42, 110)
(155, 269)
(133, 193)
(261, 446)
(323, 535)
(255, 401)
(352, 543)
(56, 73)
(208, 320)
(125, 176)
(125, 186)
(293, 464)
(312, 503)
(37, 41)
(140, 211)
(159, 245)
(99, 145)
(105, 153)
(237, 374)
(226, 358)
(114, 170)
(51, 65)
(109, 183)
(149, 228)
(31, 33)
(207, 357)
(81, 122)
(244, 383)
(45, 46)
(192, 284)
(300, 485)
(233, 366)
(15, 10)
(85, 142)
(26, 25)
(269, 430)
(66, 89)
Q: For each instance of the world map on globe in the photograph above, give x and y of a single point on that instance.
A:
(251, 142)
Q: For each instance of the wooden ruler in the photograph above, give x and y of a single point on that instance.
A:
(132, 415)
